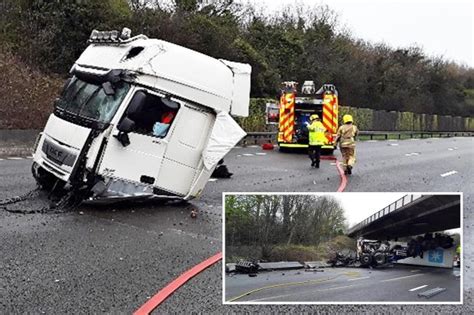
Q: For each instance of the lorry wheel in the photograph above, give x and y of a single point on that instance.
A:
(44, 179)
(379, 258)
(365, 259)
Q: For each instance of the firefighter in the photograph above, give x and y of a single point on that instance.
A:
(316, 139)
(346, 139)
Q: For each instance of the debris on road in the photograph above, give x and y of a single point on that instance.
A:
(432, 292)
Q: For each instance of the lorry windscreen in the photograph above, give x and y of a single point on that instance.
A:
(88, 104)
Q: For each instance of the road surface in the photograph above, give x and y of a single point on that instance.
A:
(392, 284)
(112, 259)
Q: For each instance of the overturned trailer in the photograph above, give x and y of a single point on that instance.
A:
(141, 117)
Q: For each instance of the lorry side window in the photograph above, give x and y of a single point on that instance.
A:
(155, 118)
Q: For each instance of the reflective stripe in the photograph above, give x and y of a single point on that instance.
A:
(287, 117)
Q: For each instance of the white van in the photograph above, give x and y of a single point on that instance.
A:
(141, 117)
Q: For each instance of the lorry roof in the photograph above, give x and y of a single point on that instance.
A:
(175, 69)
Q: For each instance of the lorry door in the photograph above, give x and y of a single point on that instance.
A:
(141, 159)
(182, 159)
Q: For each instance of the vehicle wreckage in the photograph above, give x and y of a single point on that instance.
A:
(141, 118)
(376, 253)
(369, 253)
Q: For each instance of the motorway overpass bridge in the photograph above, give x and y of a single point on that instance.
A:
(411, 215)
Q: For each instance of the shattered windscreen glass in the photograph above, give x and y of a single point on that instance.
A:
(89, 101)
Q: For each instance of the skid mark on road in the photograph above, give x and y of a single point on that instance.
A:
(448, 173)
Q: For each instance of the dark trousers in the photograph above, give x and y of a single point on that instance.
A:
(314, 152)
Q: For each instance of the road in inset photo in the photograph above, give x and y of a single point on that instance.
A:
(336, 248)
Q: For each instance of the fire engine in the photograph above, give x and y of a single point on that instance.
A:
(295, 110)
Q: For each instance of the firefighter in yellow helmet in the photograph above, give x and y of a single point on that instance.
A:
(316, 139)
(346, 138)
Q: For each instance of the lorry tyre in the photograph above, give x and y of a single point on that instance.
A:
(365, 259)
(379, 258)
(44, 179)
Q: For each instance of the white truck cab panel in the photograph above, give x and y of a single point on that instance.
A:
(143, 117)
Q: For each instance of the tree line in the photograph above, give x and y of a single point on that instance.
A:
(265, 221)
(297, 43)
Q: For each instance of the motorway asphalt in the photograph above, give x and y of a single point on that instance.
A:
(112, 258)
(392, 284)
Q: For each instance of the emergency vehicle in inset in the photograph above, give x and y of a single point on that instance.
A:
(141, 117)
(295, 111)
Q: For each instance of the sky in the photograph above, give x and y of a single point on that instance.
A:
(440, 27)
(359, 206)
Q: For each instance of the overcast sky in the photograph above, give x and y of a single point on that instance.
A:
(440, 27)
(359, 206)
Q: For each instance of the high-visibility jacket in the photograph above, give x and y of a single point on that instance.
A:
(316, 133)
(458, 249)
(346, 134)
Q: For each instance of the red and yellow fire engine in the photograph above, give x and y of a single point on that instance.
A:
(295, 110)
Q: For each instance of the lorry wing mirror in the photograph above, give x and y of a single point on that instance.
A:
(108, 88)
(126, 125)
(136, 104)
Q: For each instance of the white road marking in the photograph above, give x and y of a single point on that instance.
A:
(238, 147)
(415, 270)
(372, 140)
(452, 149)
(212, 179)
(413, 139)
(260, 153)
(393, 144)
(30, 157)
(448, 173)
(412, 154)
(287, 295)
(14, 158)
(247, 154)
(417, 288)
(332, 163)
(392, 140)
(333, 288)
(253, 146)
(355, 279)
(399, 278)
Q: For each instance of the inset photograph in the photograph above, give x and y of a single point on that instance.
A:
(350, 248)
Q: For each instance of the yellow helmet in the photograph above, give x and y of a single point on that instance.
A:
(313, 117)
(347, 118)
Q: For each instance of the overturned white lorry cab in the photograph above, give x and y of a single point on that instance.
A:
(140, 118)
